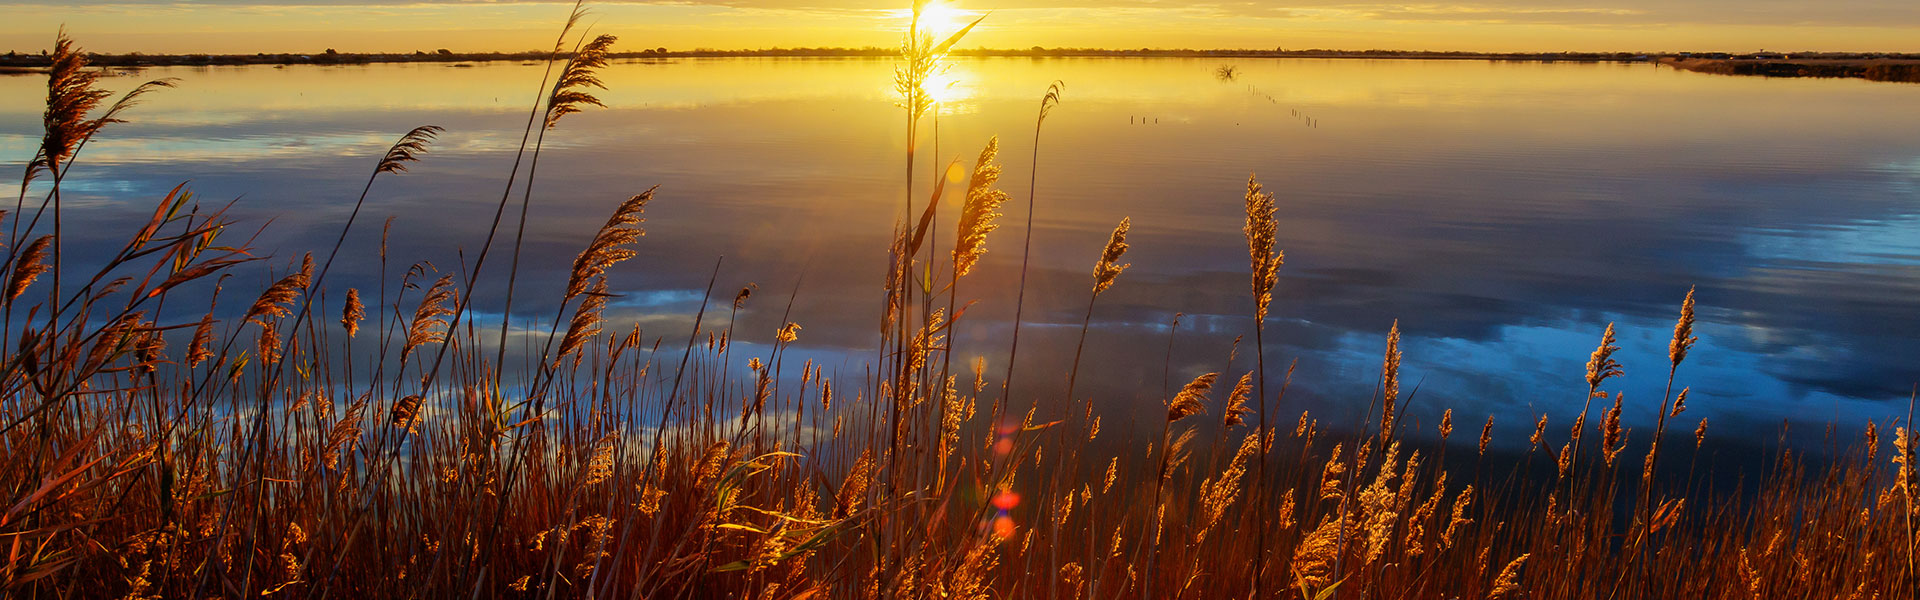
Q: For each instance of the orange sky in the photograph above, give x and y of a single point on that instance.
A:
(244, 26)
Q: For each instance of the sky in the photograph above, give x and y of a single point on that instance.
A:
(246, 26)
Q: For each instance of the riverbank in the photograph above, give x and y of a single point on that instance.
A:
(1904, 70)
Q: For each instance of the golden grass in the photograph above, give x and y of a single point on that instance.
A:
(310, 461)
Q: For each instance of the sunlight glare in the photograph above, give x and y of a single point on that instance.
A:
(939, 19)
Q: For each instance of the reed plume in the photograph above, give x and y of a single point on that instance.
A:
(1601, 365)
(428, 316)
(1192, 398)
(1683, 338)
(979, 211)
(1237, 401)
(1390, 382)
(352, 313)
(31, 263)
(277, 300)
(408, 149)
(71, 96)
(405, 411)
(1612, 439)
(1109, 266)
(1261, 230)
(609, 245)
(586, 320)
(1509, 580)
(571, 89)
(1446, 424)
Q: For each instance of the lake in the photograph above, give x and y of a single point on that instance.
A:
(1503, 212)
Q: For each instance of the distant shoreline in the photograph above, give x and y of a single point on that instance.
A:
(1872, 66)
(27, 61)
(1902, 70)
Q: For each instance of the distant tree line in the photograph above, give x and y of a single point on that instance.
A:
(330, 56)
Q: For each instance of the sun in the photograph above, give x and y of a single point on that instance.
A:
(941, 19)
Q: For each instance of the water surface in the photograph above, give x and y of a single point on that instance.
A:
(1504, 213)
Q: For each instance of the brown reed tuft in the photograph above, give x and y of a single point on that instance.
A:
(32, 262)
(1446, 424)
(70, 98)
(1459, 518)
(1486, 434)
(609, 245)
(586, 321)
(1683, 337)
(405, 411)
(425, 328)
(1109, 268)
(570, 93)
(409, 149)
(1192, 398)
(1262, 231)
(198, 350)
(1613, 439)
(1509, 580)
(1390, 381)
(1700, 433)
(1680, 402)
(352, 313)
(275, 302)
(1539, 433)
(1601, 365)
(1237, 401)
(978, 211)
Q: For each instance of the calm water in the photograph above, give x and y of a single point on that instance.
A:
(1503, 212)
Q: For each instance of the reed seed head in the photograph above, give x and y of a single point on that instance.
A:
(978, 211)
(1390, 381)
(1237, 401)
(1192, 398)
(1683, 337)
(408, 149)
(1601, 365)
(1109, 267)
(570, 93)
(1262, 230)
(353, 313)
